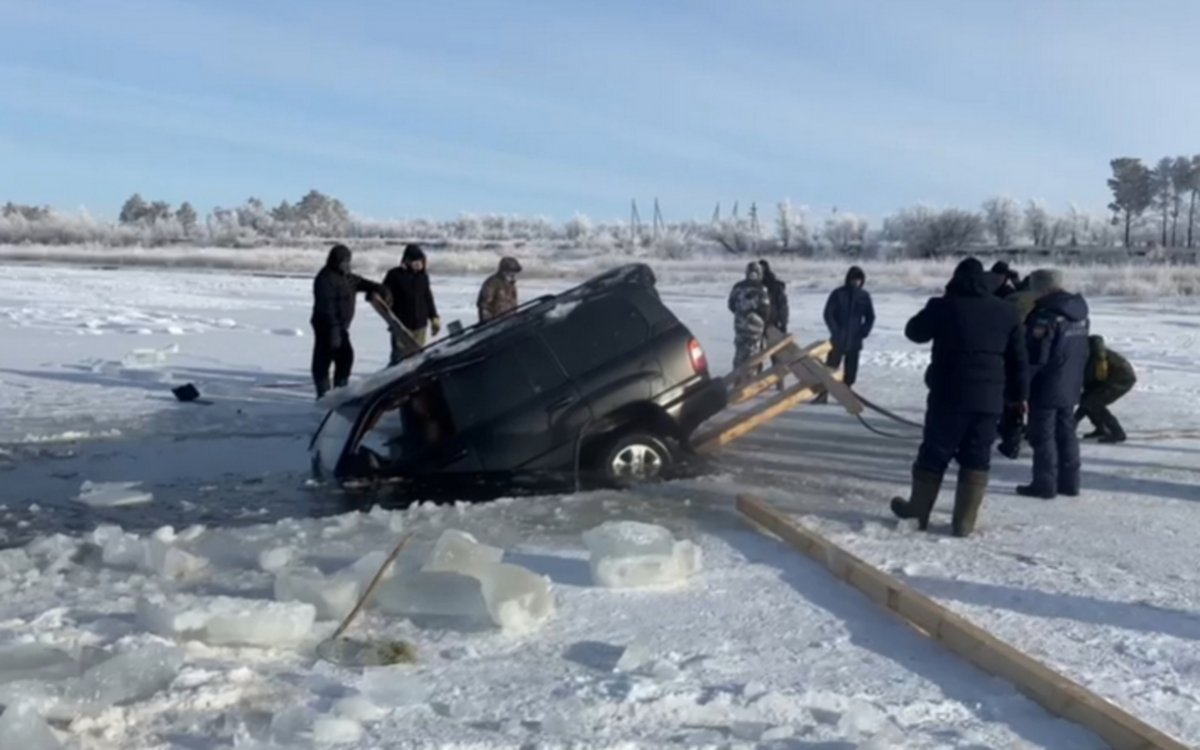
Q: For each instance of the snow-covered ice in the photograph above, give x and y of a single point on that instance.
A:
(332, 596)
(629, 554)
(762, 644)
(21, 728)
(517, 599)
(458, 552)
(227, 621)
(113, 494)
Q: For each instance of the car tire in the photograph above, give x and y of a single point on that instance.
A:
(635, 458)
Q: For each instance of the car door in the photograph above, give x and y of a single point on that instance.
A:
(602, 346)
(516, 405)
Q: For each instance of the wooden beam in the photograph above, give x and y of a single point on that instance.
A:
(743, 424)
(1054, 691)
(764, 382)
(760, 358)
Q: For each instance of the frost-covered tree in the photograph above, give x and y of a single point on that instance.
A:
(845, 233)
(1003, 219)
(791, 228)
(186, 216)
(929, 233)
(1038, 223)
(1132, 189)
(134, 210)
(578, 227)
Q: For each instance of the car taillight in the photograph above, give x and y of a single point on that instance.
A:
(696, 354)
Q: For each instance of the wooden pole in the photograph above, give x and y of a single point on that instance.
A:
(1056, 692)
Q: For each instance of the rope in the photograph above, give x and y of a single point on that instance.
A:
(877, 431)
(889, 414)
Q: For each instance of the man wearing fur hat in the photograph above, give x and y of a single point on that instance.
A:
(1056, 333)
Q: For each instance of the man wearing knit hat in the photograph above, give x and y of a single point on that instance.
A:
(1057, 339)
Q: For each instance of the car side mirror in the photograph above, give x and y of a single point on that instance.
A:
(455, 328)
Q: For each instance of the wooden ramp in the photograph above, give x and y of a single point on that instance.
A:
(805, 367)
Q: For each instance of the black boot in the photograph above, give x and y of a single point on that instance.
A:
(968, 499)
(1113, 431)
(1029, 490)
(322, 388)
(925, 488)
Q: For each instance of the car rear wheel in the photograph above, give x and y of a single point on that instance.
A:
(636, 458)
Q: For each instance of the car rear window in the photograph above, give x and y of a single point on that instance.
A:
(595, 332)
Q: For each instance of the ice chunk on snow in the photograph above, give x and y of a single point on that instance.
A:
(291, 723)
(434, 594)
(459, 552)
(635, 656)
(627, 554)
(129, 677)
(517, 599)
(336, 730)
(395, 687)
(359, 708)
(276, 559)
(34, 661)
(112, 494)
(168, 561)
(21, 728)
(333, 596)
(139, 358)
(228, 621)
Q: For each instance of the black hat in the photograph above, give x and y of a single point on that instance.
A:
(509, 265)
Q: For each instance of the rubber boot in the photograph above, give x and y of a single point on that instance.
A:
(968, 499)
(925, 488)
(322, 388)
(1113, 431)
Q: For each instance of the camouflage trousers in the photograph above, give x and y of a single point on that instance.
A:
(746, 346)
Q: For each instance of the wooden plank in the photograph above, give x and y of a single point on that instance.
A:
(774, 348)
(408, 344)
(764, 382)
(742, 425)
(1054, 691)
(832, 384)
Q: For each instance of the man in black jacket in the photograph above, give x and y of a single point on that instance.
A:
(1057, 336)
(412, 299)
(333, 309)
(850, 316)
(979, 362)
(777, 293)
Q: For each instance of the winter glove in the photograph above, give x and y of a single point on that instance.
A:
(435, 326)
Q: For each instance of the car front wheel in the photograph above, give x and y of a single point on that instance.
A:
(636, 458)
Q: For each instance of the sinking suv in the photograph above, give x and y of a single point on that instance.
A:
(601, 381)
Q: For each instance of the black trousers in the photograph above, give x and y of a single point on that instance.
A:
(1056, 461)
(331, 346)
(963, 436)
(834, 361)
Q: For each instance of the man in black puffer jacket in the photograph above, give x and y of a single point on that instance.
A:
(333, 309)
(1057, 336)
(412, 299)
(979, 363)
(849, 316)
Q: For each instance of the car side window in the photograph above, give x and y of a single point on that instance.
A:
(505, 380)
(595, 332)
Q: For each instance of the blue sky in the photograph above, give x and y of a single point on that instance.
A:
(551, 107)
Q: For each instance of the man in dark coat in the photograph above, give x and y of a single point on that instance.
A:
(979, 363)
(1057, 339)
(849, 316)
(1108, 377)
(333, 309)
(498, 294)
(412, 299)
(1008, 279)
(777, 293)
